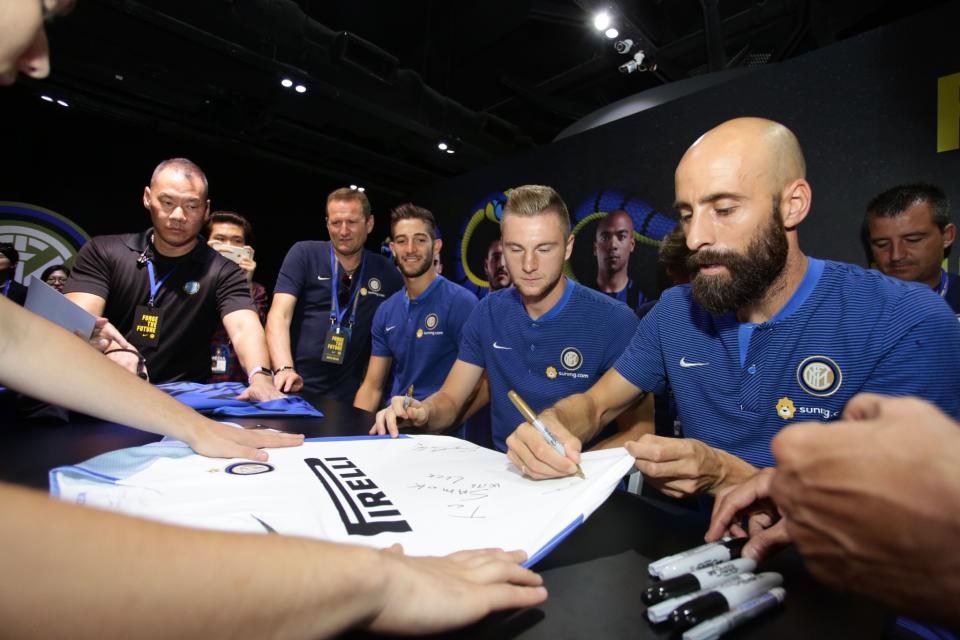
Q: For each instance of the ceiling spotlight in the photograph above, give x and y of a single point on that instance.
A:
(611, 33)
(601, 21)
(300, 88)
(62, 103)
(450, 151)
(46, 98)
(354, 187)
(623, 46)
(361, 189)
(443, 146)
(287, 82)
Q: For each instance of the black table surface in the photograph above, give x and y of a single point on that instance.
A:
(594, 577)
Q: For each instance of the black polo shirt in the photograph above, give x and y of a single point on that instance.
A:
(202, 287)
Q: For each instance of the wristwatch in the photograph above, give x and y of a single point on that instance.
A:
(261, 370)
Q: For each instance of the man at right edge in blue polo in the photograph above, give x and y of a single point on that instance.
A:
(909, 235)
(546, 337)
(764, 335)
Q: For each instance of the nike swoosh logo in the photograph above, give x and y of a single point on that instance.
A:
(323, 277)
(391, 328)
(687, 365)
(496, 346)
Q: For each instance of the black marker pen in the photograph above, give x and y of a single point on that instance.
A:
(722, 599)
(701, 579)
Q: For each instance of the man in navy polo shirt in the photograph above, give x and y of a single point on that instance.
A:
(764, 335)
(545, 338)
(909, 234)
(417, 330)
(318, 328)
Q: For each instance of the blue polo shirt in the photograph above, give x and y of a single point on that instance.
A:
(563, 352)
(630, 295)
(422, 335)
(845, 330)
(306, 274)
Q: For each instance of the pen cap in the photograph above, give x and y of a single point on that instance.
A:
(735, 545)
(697, 610)
(660, 591)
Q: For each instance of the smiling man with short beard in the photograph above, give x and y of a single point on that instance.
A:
(416, 331)
(764, 336)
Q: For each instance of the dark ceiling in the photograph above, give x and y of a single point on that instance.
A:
(386, 81)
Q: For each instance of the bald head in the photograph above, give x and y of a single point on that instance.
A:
(756, 148)
(618, 219)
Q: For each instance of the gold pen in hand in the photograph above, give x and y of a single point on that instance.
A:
(407, 399)
(537, 423)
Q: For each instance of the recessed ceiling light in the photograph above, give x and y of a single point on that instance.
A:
(287, 82)
(46, 98)
(450, 151)
(601, 21)
(611, 33)
(300, 89)
(62, 103)
(443, 146)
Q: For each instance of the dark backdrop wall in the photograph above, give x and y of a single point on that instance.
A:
(865, 111)
(92, 170)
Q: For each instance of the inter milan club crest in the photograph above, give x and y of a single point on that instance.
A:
(571, 359)
(249, 468)
(819, 376)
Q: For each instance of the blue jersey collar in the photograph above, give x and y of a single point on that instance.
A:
(807, 285)
(557, 308)
(423, 296)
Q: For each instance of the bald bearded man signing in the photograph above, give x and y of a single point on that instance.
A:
(764, 336)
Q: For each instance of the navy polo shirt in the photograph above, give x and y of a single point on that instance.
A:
(630, 295)
(422, 335)
(306, 275)
(845, 330)
(563, 352)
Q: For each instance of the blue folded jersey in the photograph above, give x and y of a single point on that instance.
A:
(220, 399)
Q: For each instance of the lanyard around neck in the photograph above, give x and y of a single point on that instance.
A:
(336, 314)
(154, 283)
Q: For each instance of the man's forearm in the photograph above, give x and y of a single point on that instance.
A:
(32, 353)
(578, 414)
(443, 411)
(279, 587)
(250, 343)
(278, 342)
(368, 397)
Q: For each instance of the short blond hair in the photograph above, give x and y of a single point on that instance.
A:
(351, 195)
(535, 199)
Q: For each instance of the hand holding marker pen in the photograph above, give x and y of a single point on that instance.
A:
(532, 418)
(407, 399)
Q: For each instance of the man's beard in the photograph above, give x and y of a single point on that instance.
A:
(418, 269)
(750, 273)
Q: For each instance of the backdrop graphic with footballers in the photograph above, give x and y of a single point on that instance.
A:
(626, 252)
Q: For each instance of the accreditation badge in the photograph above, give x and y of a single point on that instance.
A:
(146, 326)
(335, 344)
